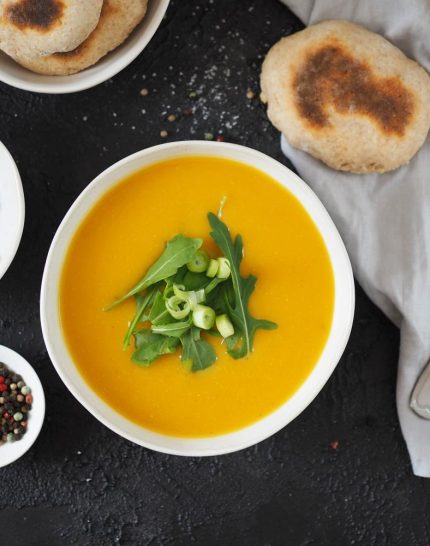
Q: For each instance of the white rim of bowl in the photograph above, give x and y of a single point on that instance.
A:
(19, 194)
(10, 453)
(278, 419)
(115, 65)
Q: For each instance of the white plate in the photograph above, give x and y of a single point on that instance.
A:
(12, 451)
(12, 209)
(334, 347)
(17, 76)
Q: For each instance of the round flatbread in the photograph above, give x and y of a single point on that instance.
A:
(347, 96)
(30, 28)
(117, 20)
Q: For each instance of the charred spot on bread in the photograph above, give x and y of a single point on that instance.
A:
(40, 15)
(331, 77)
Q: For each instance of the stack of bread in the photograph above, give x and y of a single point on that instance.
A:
(61, 37)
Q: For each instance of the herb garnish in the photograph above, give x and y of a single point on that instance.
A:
(179, 251)
(246, 325)
(185, 293)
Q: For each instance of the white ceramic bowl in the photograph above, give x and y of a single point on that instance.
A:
(17, 76)
(338, 337)
(10, 452)
(12, 209)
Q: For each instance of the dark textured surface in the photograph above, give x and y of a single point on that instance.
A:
(82, 484)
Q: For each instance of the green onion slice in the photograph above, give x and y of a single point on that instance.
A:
(178, 308)
(193, 297)
(224, 268)
(203, 317)
(199, 263)
(224, 326)
(168, 291)
(212, 269)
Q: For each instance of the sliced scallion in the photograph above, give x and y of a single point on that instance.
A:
(212, 269)
(199, 263)
(203, 317)
(224, 326)
(224, 269)
(193, 297)
(168, 291)
(178, 308)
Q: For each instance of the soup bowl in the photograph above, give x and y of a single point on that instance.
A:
(327, 361)
(17, 76)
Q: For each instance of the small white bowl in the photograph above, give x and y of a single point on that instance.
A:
(12, 209)
(12, 451)
(216, 445)
(17, 76)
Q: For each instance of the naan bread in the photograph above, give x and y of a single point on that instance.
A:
(30, 28)
(117, 20)
(347, 96)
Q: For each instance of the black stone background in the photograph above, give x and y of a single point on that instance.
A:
(81, 483)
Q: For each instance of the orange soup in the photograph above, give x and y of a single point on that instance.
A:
(122, 236)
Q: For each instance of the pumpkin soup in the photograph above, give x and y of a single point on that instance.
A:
(124, 234)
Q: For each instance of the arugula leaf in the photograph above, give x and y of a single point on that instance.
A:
(243, 288)
(194, 281)
(179, 277)
(197, 351)
(232, 342)
(174, 329)
(143, 302)
(159, 314)
(214, 333)
(150, 346)
(179, 251)
(216, 298)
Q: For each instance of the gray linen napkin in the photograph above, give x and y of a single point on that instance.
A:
(385, 219)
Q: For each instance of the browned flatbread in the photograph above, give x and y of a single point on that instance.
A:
(118, 19)
(347, 96)
(30, 28)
